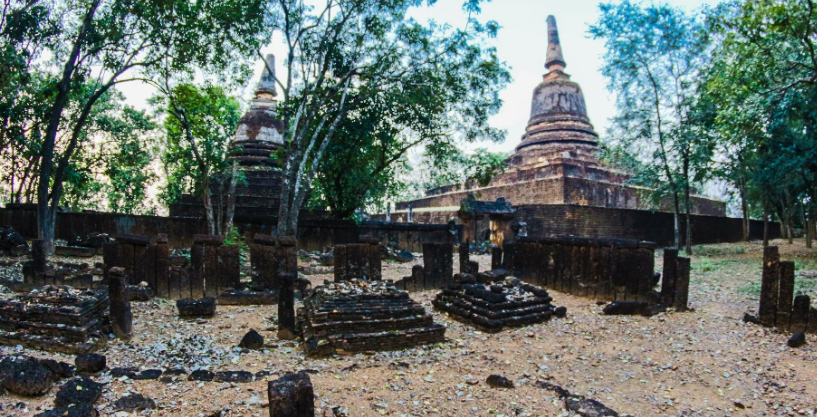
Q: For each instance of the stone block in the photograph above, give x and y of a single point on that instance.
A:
(204, 307)
(291, 396)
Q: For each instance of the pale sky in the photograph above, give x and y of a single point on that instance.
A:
(521, 43)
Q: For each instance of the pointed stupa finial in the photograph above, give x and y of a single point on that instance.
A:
(555, 60)
(267, 83)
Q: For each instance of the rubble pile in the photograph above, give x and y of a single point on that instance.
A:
(355, 316)
(493, 306)
(56, 319)
(12, 243)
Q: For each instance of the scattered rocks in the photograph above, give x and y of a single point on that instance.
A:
(90, 363)
(119, 372)
(655, 309)
(579, 404)
(797, 340)
(327, 259)
(626, 308)
(315, 270)
(84, 410)
(59, 369)
(148, 374)
(26, 376)
(233, 376)
(141, 292)
(78, 392)
(252, 340)
(201, 375)
(404, 256)
(749, 318)
(499, 381)
(10, 239)
(133, 402)
(203, 307)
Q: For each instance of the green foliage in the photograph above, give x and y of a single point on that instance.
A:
(365, 85)
(61, 59)
(127, 166)
(212, 116)
(448, 164)
(654, 55)
(716, 250)
(763, 81)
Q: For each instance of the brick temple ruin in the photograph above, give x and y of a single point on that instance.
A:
(508, 303)
(256, 148)
(558, 185)
(357, 316)
(55, 318)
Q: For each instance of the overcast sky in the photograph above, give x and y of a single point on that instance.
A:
(521, 43)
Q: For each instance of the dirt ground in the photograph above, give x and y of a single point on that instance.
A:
(705, 362)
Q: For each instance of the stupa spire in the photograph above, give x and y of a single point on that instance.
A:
(267, 83)
(555, 60)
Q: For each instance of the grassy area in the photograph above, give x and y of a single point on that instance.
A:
(719, 250)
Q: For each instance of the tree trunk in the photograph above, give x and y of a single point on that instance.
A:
(208, 209)
(806, 227)
(687, 206)
(230, 209)
(744, 205)
(765, 226)
(45, 214)
(789, 227)
(677, 221)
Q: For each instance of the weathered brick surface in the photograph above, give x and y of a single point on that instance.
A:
(353, 317)
(778, 306)
(358, 260)
(769, 286)
(314, 233)
(607, 269)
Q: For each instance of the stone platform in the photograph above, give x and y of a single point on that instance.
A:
(492, 307)
(55, 319)
(356, 316)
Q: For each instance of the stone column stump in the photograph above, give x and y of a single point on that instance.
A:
(121, 315)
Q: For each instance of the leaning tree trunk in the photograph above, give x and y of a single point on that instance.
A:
(46, 213)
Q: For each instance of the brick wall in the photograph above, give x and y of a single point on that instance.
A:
(560, 190)
(597, 222)
(313, 234)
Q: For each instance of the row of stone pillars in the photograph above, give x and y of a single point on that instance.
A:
(778, 305)
(214, 267)
(436, 271)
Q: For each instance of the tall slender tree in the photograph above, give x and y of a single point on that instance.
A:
(654, 56)
(344, 48)
(103, 43)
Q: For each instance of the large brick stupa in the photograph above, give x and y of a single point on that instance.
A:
(556, 162)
